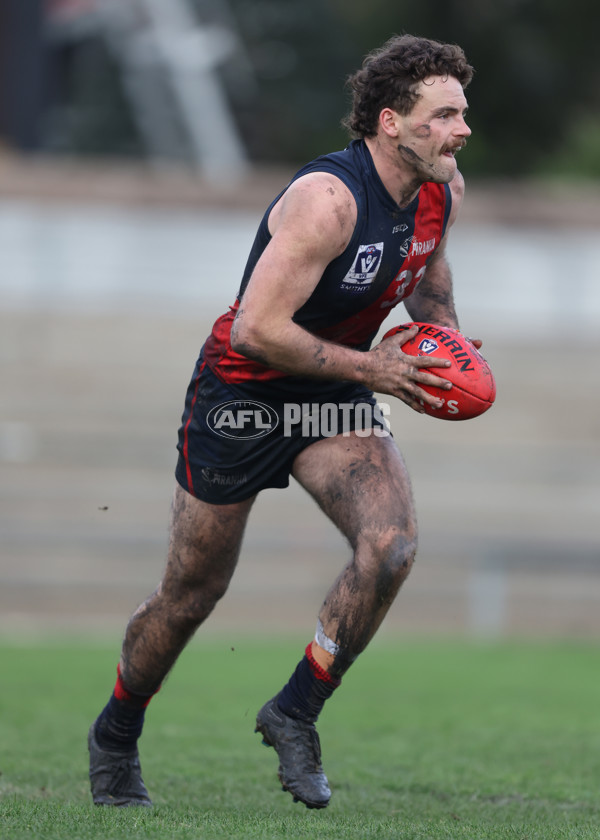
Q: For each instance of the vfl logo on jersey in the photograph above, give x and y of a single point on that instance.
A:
(428, 346)
(365, 267)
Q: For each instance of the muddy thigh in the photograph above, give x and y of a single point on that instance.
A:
(363, 486)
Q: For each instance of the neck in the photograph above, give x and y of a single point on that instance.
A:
(403, 184)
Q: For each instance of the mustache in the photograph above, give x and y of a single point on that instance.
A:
(456, 147)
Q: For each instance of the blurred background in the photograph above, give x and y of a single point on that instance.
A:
(140, 141)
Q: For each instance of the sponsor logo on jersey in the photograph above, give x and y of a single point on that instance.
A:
(428, 346)
(419, 248)
(405, 247)
(242, 419)
(211, 476)
(399, 228)
(365, 266)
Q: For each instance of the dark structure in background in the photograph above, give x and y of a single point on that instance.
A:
(141, 77)
(22, 73)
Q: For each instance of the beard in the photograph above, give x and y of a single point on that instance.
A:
(439, 170)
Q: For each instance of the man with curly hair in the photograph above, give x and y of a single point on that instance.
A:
(353, 234)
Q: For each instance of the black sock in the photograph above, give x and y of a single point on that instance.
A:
(304, 696)
(120, 723)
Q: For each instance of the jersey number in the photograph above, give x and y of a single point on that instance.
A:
(404, 279)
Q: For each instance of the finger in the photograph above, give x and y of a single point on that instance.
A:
(425, 397)
(418, 396)
(430, 379)
(411, 401)
(428, 362)
(402, 336)
(476, 342)
(419, 376)
(406, 335)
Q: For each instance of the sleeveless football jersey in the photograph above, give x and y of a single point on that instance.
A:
(382, 264)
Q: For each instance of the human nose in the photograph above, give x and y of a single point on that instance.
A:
(463, 129)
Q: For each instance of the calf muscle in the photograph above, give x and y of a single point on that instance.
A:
(204, 546)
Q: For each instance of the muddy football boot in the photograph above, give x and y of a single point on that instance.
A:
(116, 777)
(299, 749)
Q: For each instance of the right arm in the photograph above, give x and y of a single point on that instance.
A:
(311, 225)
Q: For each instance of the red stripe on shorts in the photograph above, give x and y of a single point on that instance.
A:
(188, 468)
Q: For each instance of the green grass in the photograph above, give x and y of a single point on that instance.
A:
(424, 740)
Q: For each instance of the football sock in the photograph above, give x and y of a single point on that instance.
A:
(120, 723)
(304, 696)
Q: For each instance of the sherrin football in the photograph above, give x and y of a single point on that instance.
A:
(473, 386)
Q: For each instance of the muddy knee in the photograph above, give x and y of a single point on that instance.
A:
(189, 595)
(193, 602)
(391, 557)
(361, 596)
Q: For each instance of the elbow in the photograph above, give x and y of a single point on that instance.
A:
(246, 339)
(240, 337)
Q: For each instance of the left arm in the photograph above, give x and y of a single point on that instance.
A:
(433, 299)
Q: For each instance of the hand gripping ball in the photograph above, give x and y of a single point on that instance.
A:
(473, 386)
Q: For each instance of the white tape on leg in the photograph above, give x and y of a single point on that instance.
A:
(324, 641)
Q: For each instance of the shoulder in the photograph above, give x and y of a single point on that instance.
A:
(318, 203)
(457, 192)
(319, 182)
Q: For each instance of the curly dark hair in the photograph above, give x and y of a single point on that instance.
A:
(390, 74)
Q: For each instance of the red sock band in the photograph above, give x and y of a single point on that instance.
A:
(319, 672)
(123, 693)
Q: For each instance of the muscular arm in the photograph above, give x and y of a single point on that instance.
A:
(310, 226)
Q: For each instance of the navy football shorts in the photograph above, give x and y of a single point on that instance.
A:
(236, 440)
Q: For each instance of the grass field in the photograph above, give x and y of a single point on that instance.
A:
(424, 740)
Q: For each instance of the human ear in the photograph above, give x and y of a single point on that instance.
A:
(389, 120)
